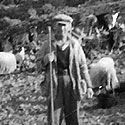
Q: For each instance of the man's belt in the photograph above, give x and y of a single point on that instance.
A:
(63, 72)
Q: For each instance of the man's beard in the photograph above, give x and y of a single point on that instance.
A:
(59, 36)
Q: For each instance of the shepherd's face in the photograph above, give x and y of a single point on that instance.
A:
(61, 31)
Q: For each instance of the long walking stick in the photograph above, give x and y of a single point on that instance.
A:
(51, 81)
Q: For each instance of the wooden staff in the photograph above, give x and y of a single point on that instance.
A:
(51, 81)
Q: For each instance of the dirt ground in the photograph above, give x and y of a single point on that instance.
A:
(21, 103)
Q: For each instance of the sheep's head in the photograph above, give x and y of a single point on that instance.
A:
(20, 56)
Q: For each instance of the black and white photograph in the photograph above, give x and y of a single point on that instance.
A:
(62, 62)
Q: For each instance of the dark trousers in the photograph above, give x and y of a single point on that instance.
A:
(66, 105)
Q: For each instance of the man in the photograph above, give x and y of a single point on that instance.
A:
(68, 69)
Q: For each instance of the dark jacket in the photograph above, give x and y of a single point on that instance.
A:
(77, 66)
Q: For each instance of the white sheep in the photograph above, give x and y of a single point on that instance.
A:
(8, 61)
(103, 73)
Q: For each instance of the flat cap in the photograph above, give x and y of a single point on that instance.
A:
(63, 18)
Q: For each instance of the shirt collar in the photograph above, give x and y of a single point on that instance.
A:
(63, 46)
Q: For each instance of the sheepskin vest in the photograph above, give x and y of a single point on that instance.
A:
(76, 53)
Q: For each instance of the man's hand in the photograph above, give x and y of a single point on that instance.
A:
(90, 93)
(50, 57)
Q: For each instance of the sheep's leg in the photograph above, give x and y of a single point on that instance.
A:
(108, 86)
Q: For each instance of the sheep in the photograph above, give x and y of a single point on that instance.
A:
(8, 61)
(103, 73)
